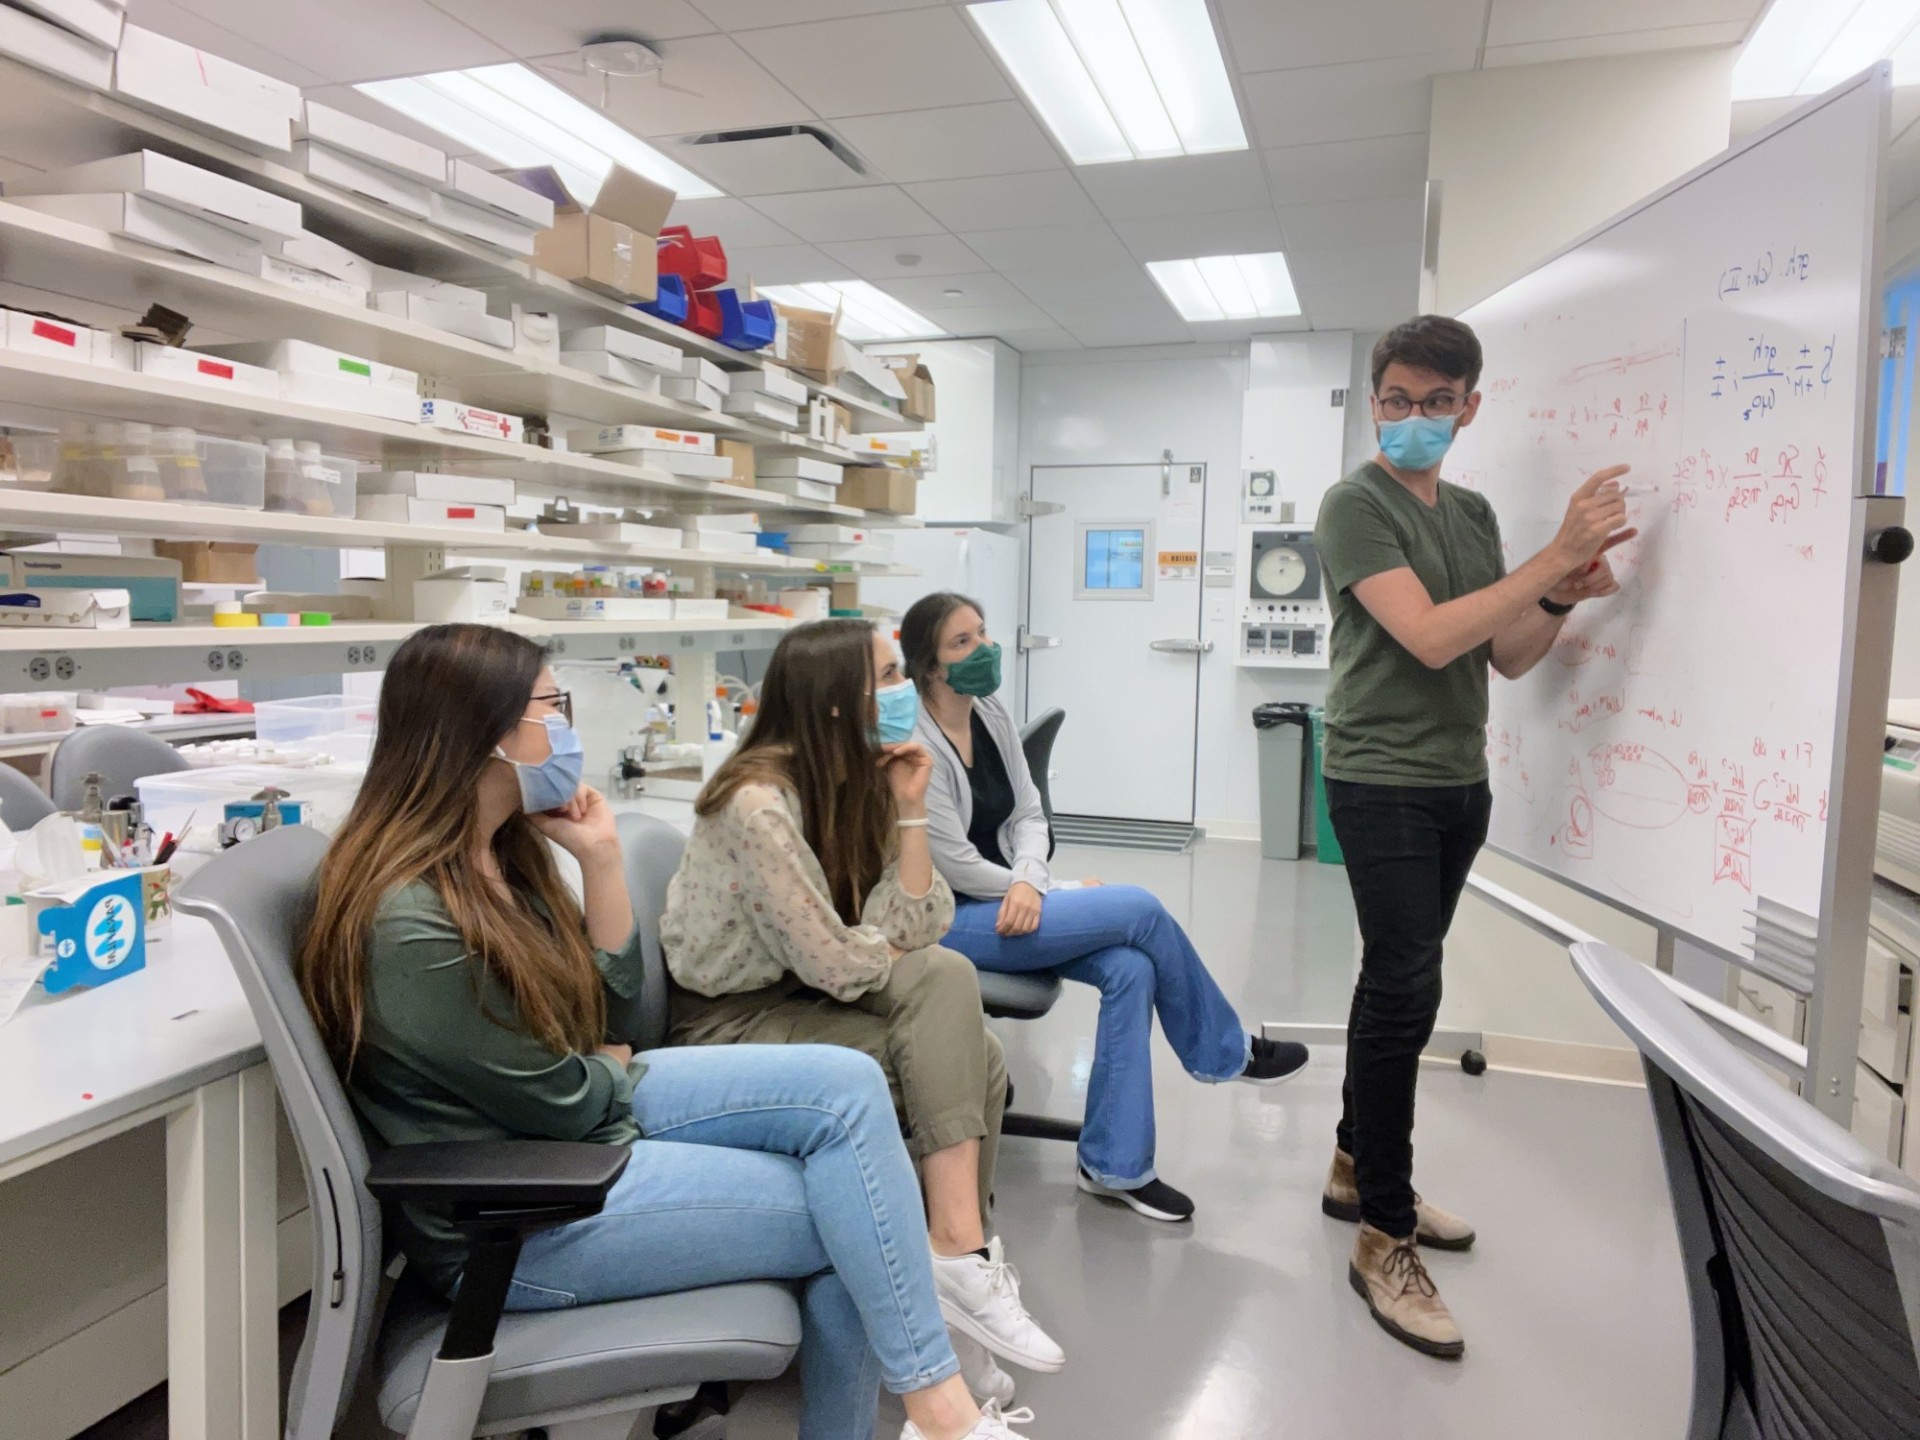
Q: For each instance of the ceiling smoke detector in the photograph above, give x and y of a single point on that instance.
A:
(621, 56)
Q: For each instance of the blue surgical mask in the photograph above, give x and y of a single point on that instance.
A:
(899, 707)
(1417, 442)
(556, 779)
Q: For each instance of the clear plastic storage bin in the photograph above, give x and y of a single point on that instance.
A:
(36, 462)
(234, 472)
(301, 480)
(289, 722)
(323, 792)
(37, 712)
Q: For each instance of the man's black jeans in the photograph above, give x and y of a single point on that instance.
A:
(1408, 851)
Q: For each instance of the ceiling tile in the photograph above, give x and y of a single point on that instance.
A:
(1007, 202)
(1184, 185)
(1182, 237)
(784, 265)
(1353, 222)
(757, 14)
(1360, 307)
(1087, 282)
(929, 292)
(880, 259)
(1358, 101)
(952, 142)
(858, 214)
(708, 83)
(1520, 22)
(1093, 322)
(1275, 34)
(188, 28)
(1348, 170)
(1389, 265)
(525, 29)
(738, 224)
(1632, 42)
(989, 319)
(356, 39)
(908, 60)
(1040, 341)
(1049, 247)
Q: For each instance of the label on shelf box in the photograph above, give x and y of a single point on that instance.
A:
(638, 437)
(472, 420)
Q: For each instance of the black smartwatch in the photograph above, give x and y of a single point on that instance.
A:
(1555, 609)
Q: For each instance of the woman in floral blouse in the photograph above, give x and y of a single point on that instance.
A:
(807, 910)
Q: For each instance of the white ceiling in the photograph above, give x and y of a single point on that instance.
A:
(964, 191)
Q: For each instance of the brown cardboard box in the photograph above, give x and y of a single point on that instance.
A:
(740, 452)
(608, 246)
(810, 335)
(212, 562)
(880, 487)
(844, 594)
(917, 381)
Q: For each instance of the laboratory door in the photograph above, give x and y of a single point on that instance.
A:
(1113, 634)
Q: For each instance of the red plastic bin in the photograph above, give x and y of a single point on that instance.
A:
(700, 260)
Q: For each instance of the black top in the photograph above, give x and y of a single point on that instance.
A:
(992, 794)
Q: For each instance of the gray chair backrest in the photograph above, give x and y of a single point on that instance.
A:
(257, 896)
(1801, 1247)
(122, 756)
(1036, 742)
(652, 849)
(23, 804)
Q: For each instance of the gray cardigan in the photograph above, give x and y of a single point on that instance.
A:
(1023, 839)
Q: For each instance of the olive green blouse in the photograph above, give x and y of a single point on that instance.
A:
(443, 1057)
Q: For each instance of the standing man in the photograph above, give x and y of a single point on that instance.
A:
(1422, 607)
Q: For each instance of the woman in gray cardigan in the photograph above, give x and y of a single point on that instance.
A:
(991, 844)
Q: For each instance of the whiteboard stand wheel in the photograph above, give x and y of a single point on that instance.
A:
(1473, 1062)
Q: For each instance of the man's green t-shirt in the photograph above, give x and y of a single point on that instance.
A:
(1390, 719)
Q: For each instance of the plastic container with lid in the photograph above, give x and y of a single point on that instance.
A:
(176, 454)
(303, 480)
(319, 795)
(289, 722)
(234, 472)
(81, 451)
(134, 474)
(37, 712)
(36, 461)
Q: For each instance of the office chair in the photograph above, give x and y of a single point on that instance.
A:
(23, 804)
(1036, 743)
(1801, 1248)
(122, 756)
(440, 1371)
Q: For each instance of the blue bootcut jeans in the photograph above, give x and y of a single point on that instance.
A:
(1120, 940)
(769, 1162)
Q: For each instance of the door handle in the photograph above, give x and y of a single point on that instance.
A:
(1027, 640)
(1182, 647)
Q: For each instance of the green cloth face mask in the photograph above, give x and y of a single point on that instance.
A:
(979, 673)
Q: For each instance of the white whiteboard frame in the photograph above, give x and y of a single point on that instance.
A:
(1846, 886)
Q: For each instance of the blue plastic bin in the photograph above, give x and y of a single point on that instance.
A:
(745, 324)
(670, 304)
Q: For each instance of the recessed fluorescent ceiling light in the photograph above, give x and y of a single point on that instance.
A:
(865, 313)
(1118, 79)
(1227, 287)
(521, 120)
(1805, 46)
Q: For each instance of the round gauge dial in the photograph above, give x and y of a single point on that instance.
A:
(1281, 570)
(1260, 483)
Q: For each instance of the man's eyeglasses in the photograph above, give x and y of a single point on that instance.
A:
(1434, 407)
(560, 700)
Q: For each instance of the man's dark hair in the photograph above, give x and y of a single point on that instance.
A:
(1430, 342)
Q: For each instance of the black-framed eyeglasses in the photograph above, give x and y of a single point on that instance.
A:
(561, 700)
(1434, 407)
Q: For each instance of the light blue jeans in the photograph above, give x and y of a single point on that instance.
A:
(769, 1162)
(1120, 940)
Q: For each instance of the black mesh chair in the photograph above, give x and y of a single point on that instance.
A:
(1801, 1248)
(1036, 742)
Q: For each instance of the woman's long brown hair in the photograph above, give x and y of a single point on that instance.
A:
(451, 694)
(830, 760)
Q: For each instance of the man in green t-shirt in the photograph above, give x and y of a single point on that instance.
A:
(1423, 606)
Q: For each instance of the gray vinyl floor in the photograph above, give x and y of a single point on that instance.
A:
(1242, 1325)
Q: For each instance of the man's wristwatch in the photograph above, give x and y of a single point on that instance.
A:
(1555, 608)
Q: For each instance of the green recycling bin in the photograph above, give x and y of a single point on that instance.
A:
(1326, 844)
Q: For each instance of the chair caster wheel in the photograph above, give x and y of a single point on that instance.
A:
(1473, 1062)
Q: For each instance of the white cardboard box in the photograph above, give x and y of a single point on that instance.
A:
(477, 222)
(693, 392)
(37, 335)
(455, 319)
(697, 367)
(723, 541)
(800, 489)
(536, 333)
(609, 366)
(474, 594)
(172, 363)
(832, 534)
(626, 532)
(67, 609)
(692, 608)
(381, 402)
(430, 485)
(60, 52)
(592, 607)
(638, 437)
(406, 510)
(313, 282)
(472, 420)
(443, 292)
(208, 92)
(482, 187)
(887, 447)
(738, 522)
(152, 176)
(343, 132)
(303, 357)
(98, 20)
(311, 252)
(155, 224)
(774, 383)
(801, 467)
(655, 354)
(752, 405)
(684, 463)
(842, 554)
(362, 177)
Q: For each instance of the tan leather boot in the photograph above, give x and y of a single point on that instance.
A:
(1389, 1276)
(1438, 1230)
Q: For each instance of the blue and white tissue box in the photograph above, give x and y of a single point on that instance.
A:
(94, 928)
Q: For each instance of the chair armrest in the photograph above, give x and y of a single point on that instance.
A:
(498, 1174)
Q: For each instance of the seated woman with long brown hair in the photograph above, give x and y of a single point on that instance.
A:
(467, 995)
(807, 910)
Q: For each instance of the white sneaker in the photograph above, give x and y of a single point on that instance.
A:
(985, 1379)
(992, 1425)
(981, 1299)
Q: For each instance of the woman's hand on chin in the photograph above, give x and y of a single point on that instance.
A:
(583, 827)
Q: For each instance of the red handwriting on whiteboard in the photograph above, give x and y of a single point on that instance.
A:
(1619, 364)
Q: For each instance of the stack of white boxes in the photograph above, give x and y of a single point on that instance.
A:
(737, 534)
(368, 160)
(700, 383)
(318, 375)
(799, 476)
(312, 263)
(841, 544)
(443, 306)
(621, 356)
(73, 38)
(690, 454)
(409, 497)
(770, 394)
(483, 206)
(206, 91)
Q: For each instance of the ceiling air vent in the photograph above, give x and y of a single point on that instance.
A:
(772, 160)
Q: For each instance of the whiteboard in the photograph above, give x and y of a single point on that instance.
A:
(1675, 752)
